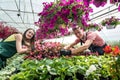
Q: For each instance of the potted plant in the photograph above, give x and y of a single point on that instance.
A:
(114, 52)
(93, 27)
(110, 23)
(55, 17)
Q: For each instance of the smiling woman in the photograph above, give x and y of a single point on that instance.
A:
(16, 43)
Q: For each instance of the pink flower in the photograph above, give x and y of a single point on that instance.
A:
(5, 31)
(62, 12)
(119, 7)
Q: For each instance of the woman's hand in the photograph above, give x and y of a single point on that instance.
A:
(28, 51)
(26, 48)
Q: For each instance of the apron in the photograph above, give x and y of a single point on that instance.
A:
(7, 50)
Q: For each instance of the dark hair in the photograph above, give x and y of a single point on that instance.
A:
(32, 39)
(75, 28)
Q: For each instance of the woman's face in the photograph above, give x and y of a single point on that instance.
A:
(78, 33)
(29, 34)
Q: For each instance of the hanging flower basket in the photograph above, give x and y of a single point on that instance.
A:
(110, 23)
(61, 12)
(110, 26)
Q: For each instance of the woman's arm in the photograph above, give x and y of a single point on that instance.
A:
(19, 47)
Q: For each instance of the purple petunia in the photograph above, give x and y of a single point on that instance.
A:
(119, 7)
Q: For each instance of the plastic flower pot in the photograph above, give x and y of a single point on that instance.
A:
(110, 26)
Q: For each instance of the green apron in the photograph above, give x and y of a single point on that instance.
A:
(7, 50)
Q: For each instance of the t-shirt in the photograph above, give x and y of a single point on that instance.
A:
(10, 38)
(97, 40)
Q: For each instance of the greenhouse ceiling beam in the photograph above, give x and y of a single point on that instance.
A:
(102, 10)
(19, 23)
(19, 15)
(32, 10)
(17, 11)
(104, 14)
(9, 16)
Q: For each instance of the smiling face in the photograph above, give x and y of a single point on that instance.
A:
(29, 34)
(78, 33)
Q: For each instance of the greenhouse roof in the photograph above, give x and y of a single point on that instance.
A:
(22, 14)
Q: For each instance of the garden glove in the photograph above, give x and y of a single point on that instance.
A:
(65, 52)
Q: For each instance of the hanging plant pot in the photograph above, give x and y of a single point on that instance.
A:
(110, 26)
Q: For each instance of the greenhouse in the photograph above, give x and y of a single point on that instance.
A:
(59, 40)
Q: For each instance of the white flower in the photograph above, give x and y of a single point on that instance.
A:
(91, 69)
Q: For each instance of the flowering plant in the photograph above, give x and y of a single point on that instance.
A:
(115, 66)
(110, 21)
(6, 31)
(59, 13)
(45, 50)
(114, 1)
(94, 26)
(115, 51)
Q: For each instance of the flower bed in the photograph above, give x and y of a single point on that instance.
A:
(78, 67)
(45, 50)
(64, 68)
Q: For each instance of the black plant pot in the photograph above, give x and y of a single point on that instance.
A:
(108, 78)
(80, 76)
(53, 77)
(68, 78)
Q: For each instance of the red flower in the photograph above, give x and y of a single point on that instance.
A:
(116, 51)
(108, 49)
